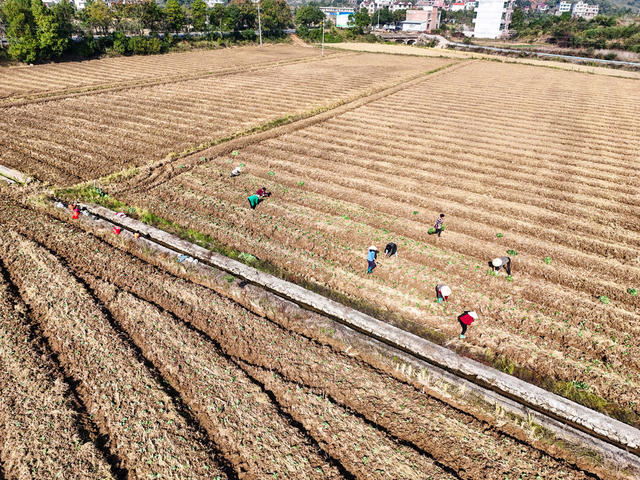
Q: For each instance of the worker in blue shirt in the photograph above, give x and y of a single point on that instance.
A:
(371, 258)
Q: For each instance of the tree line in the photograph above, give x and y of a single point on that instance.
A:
(37, 32)
(619, 32)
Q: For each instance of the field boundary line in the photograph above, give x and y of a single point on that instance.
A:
(51, 96)
(151, 175)
(13, 176)
(559, 409)
(603, 71)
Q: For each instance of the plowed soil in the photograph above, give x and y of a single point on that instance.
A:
(521, 159)
(184, 383)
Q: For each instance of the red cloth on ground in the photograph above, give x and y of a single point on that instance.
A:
(466, 319)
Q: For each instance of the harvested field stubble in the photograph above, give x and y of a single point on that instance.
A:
(81, 138)
(367, 422)
(559, 190)
(41, 435)
(57, 77)
(145, 427)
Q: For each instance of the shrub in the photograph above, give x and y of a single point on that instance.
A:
(248, 34)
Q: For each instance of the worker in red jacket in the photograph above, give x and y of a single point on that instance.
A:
(465, 320)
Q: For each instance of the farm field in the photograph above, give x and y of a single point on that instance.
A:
(77, 138)
(522, 159)
(170, 379)
(18, 82)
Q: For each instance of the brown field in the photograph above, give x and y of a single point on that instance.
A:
(83, 137)
(55, 78)
(542, 156)
(116, 362)
(181, 382)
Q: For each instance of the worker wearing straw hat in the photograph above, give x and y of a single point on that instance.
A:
(371, 258)
(501, 262)
(442, 292)
(466, 319)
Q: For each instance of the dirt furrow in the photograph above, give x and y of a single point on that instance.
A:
(42, 434)
(235, 412)
(145, 425)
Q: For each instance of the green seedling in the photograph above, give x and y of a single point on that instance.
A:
(300, 184)
(509, 278)
(604, 299)
(203, 159)
(512, 252)
(499, 235)
(415, 212)
(547, 260)
(271, 174)
(235, 152)
(632, 291)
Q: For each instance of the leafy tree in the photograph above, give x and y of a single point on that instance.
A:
(517, 20)
(97, 16)
(217, 16)
(199, 15)
(21, 30)
(360, 20)
(275, 15)
(382, 16)
(51, 41)
(65, 13)
(399, 15)
(309, 15)
(241, 15)
(175, 16)
(151, 16)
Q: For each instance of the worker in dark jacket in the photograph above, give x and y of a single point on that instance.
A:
(391, 249)
(502, 262)
(466, 319)
(442, 292)
(438, 224)
(372, 254)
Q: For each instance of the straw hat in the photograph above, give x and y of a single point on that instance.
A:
(446, 291)
(373, 247)
(496, 262)
(474, 315)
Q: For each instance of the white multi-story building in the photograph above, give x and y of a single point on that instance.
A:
(563, 7)
(584, 10)
(492, 18)
(80, 4)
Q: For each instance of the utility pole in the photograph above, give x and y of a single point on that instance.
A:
(378, 18)
(322, 37)
(259, 23)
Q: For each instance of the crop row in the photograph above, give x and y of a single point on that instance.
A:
(89, 136)
(116, 71)
(147, 430)
(41, 435)
(322, 252)
(367, 421)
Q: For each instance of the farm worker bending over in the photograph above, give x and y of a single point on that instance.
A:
(371, 258)
(253, 201)
(438, 224)
(391, 249)
(465, 320)
(236, 171)
(442, 292)
(502, 262)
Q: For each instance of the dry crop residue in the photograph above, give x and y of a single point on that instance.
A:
(541, 156)
(80, 138)
(310, 409)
